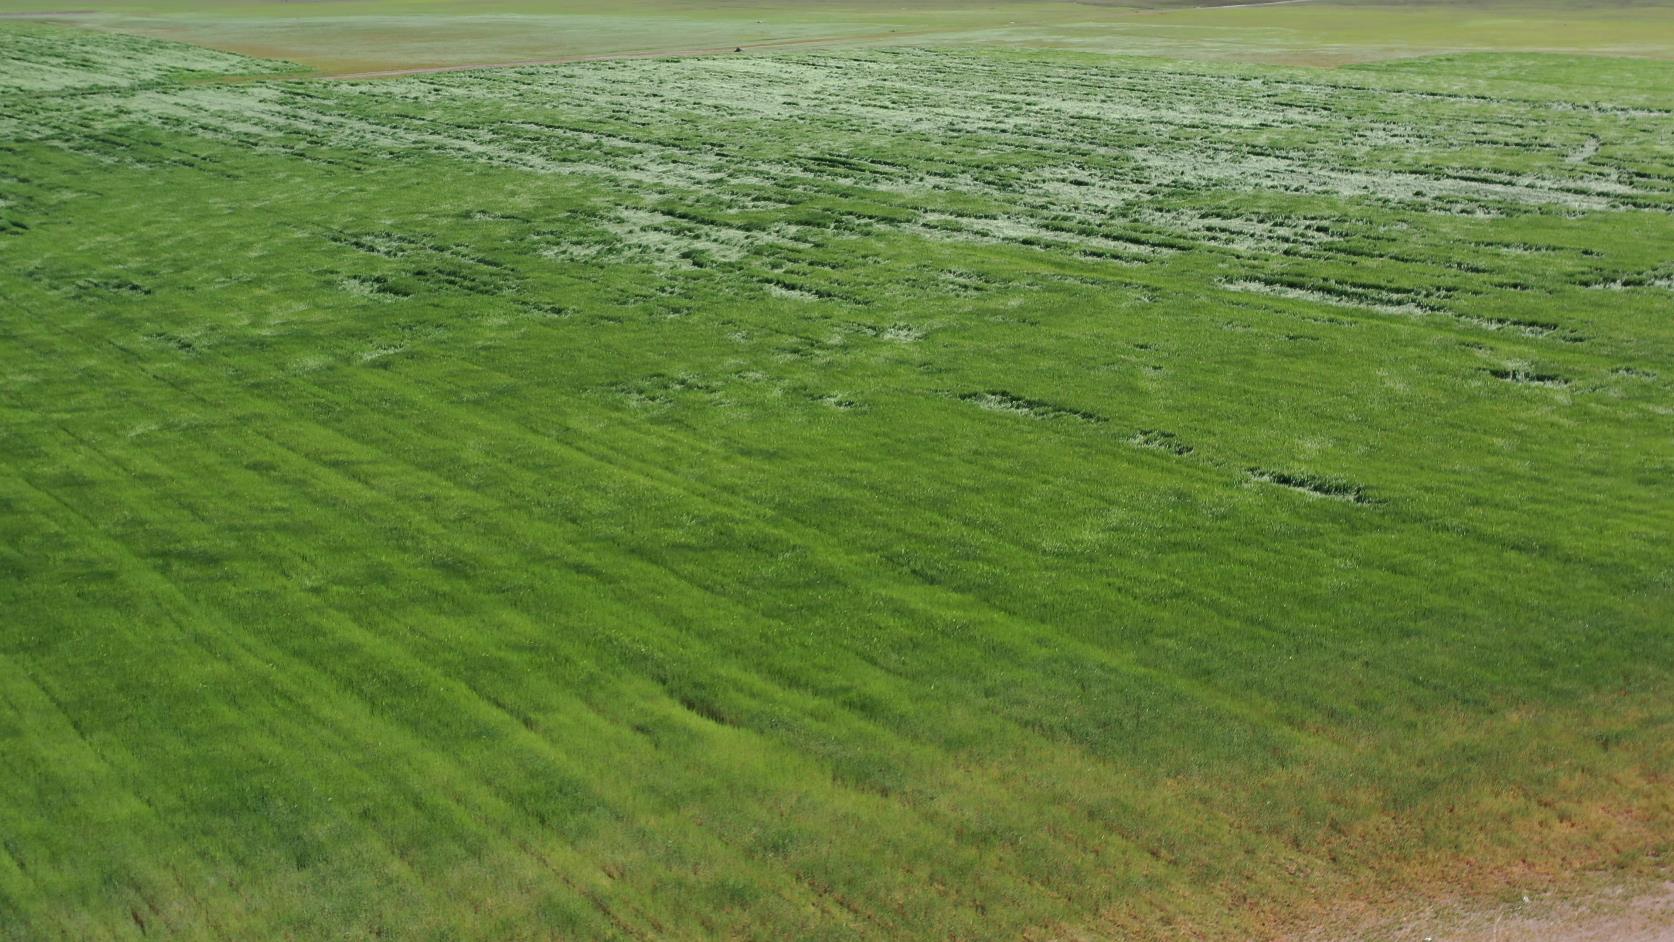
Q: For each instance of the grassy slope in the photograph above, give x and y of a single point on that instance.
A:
(871, 496)
(351, 36)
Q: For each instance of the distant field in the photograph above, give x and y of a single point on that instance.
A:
(352, 36)
(867, 494)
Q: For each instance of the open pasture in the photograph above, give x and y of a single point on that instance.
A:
(879, 494)
(355, 37)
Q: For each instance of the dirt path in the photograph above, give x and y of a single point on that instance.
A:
(1645, 914)
(1648, 918)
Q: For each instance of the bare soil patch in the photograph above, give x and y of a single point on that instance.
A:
(1622, 914)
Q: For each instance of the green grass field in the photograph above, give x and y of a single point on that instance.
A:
(869, 493)
(340, 37)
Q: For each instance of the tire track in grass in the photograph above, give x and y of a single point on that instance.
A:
(117, 772)
(250, 659)
(656, 474)
(297, 668)
(31, 707)
(695, 588)
(713, 600)
(1231, 609)
(364, 727)
(660, 477)
(436, 409)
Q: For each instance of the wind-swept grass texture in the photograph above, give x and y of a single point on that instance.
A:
(898, 495)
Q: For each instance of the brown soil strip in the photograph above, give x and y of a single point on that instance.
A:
(1640, 914)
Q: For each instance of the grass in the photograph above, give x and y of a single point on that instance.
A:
(887, 493)
(357, 36)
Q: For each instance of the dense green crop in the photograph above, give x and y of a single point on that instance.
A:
(901, 494)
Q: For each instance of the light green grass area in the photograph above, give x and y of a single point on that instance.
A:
(881, 494)
(353, 36)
